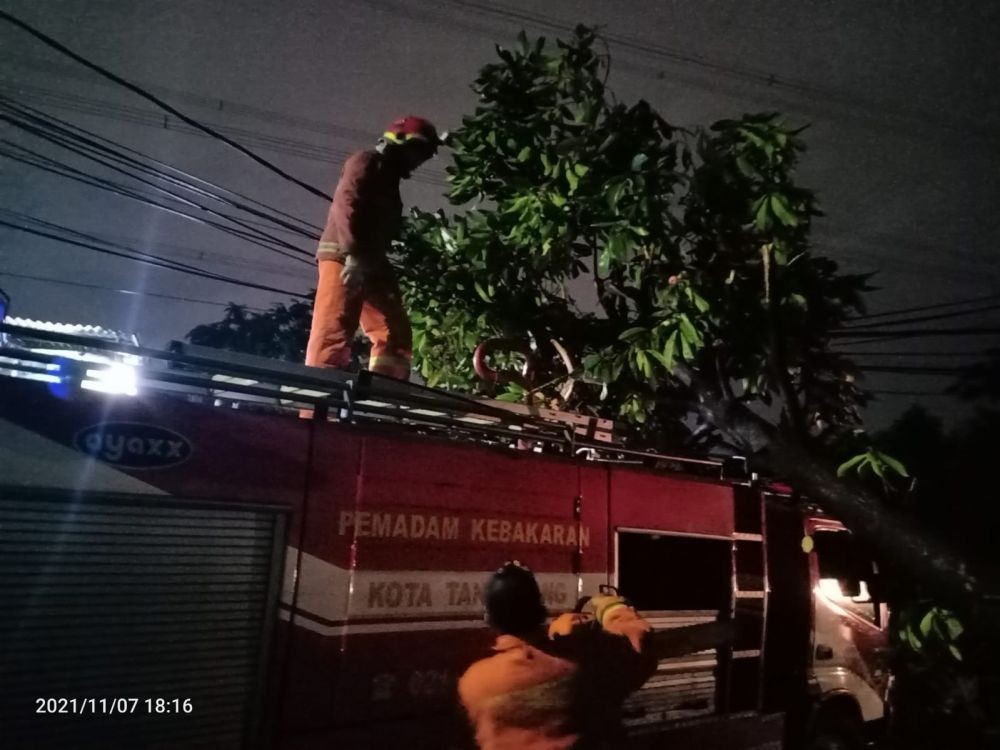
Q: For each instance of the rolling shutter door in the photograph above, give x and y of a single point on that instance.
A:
(135, 598)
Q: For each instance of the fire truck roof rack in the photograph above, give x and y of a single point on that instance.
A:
(246, 381)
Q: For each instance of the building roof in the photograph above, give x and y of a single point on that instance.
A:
(76, 329)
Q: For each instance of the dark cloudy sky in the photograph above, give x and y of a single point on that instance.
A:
(902, 98)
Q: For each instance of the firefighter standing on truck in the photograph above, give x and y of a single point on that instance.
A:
(556, 689)
(356, 282)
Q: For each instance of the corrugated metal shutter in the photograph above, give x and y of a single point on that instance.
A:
(113, 597)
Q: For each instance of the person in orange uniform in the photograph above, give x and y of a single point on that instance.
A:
(356, 281)
(556, 688)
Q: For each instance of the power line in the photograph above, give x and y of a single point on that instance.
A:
(916, 333)
(130, 292)
(123, 113)
(171, 168)
(120, 154)
(218, 104)
(915, 354)
(881, 392)
(63, 170)
(922, 319)
(49, 41)
(911, 370)
(86, 151)
(924, 308)
(801, 89)
(149, 259)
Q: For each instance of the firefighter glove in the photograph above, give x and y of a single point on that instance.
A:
(356, 273)
(601, 605)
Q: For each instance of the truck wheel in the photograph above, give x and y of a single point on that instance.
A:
(836, 730)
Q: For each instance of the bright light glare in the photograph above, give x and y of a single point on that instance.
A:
(116, 377)
(830, 588)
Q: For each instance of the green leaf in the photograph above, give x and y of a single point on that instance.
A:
(781, 209)
(573, 181)
(763, 218)
(744, 166)
(688, 331)
(614, 195)
(878, 467)
(669, 351)
(524, 154)
(642, 362)
(638, 160)
(686, 349)
(699, 302)
(568, 145)
(545, 162)
(798, 300)
(580, 169)
(850, 464)
(894, 464)
(481, 292)
(631, 334)
(510, 397)
(558, 200)
(927, 622)
(955, 652)
(954, 627)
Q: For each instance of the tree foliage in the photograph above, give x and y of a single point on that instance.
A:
(675, 266)
(637, 245)
(278, 333)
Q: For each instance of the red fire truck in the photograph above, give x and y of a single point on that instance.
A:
(186, 561)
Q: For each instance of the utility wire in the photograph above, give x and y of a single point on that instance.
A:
(322, 127)
(907, 370)
(49, 41)
(922, 319)
(881, 392)
(953, 355)
(801, 89)
(49, 165)
(117, 152)
(925, 308)
(151, 261)
(131, 292)
(303, 149)
(18, 216)
(916, 333)
(171, 168)
(87, 154)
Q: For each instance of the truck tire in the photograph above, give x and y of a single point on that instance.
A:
(836, 730)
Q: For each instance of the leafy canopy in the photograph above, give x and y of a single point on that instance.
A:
(638, 246)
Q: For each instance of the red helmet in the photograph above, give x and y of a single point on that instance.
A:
(411, 127)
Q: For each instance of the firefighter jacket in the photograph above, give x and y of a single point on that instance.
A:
(558, 693)
(366, 213)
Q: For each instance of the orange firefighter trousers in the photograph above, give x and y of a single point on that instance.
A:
(378, 307)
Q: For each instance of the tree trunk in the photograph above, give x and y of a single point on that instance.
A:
(893, 539)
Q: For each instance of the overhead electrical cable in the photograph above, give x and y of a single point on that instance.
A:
(49, 165)
(129, 292)
(116, 152)
(84, 152)
(139, 91)
(148, 259)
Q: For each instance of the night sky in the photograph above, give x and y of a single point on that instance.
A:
(901, 97)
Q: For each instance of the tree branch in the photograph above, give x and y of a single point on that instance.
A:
(899, 544)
